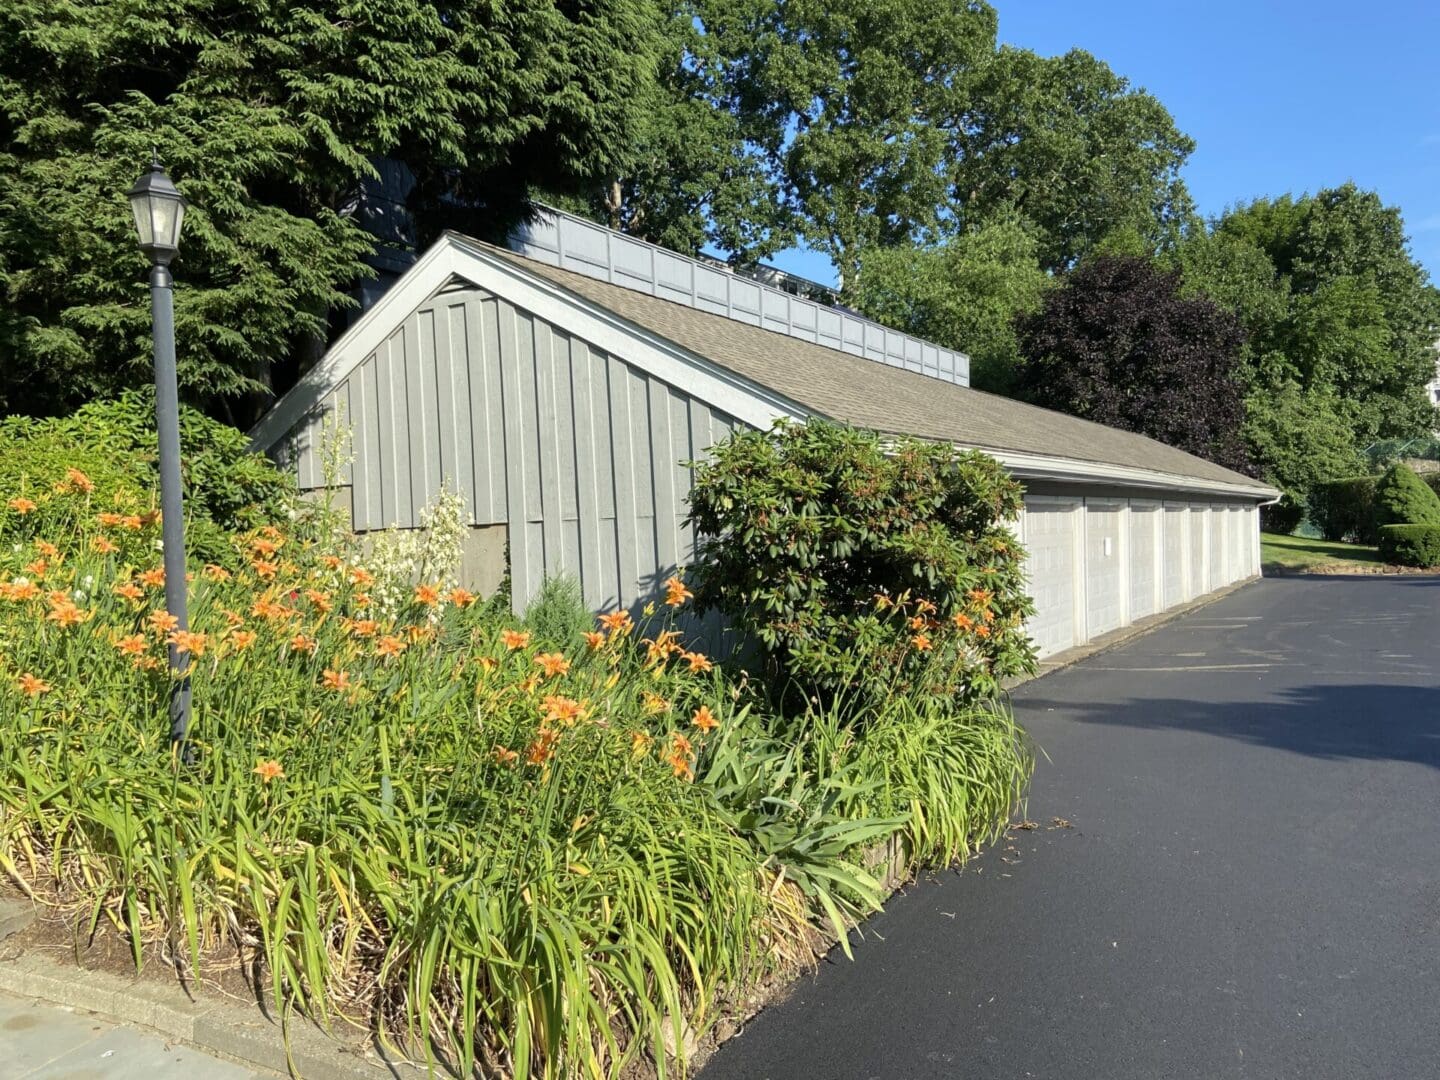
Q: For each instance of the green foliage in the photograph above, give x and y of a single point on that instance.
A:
(1034, 119)
(1402, 498)
(1300, 439)
(859, 125)
(228, 488)
(1340, 325)
(862, 567)
(1283, 517)
(1119, 344)
(964, 294)
(1410, 545)
(558, 615)
(269, 119)
(1344, 509)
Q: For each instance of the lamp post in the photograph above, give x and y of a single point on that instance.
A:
(159, 211)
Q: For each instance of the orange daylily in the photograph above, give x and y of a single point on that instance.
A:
(616, 622)
(428, 595)
(31, 686)
(698, 661)
(217, 573)
(364, 627)
(301, 643)
(676, 593)
(319, 600)
(241, 640)
(921, 643)
(133, 522)
(335, 680)
(162, 621)
(653, 703)
(704, 719)
(188, 641)
(559, 709)
(67, 614)
(21, 590)
(49, 550)
(462, 598)
(109, 519)
(552, 664)
(152, 579)
(264, 548)
(22, 505)
(332, 561)
(594, 639)
(389, 645)
(79, 481)
(38, 568)
(129, 590)
(506, 757)
(264, 569)
(269, 770)
(131, 644)
(361, 577)
(514, 639)
(103, 546)
(963, 621)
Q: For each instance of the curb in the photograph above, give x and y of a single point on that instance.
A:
(240, 1033)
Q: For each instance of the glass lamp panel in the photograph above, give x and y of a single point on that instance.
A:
(165, 215)
(140, 207)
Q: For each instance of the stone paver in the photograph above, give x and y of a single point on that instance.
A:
(47, 1042)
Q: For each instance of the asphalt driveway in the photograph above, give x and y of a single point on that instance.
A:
(1249, 886)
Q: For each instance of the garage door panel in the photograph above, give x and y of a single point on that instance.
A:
(1144, 519)
(1175, 570)
(1104, 603)
(1050, 570)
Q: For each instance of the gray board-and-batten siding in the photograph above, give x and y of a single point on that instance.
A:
(579, 453)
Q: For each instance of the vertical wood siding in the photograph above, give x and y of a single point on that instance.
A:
(578, 453)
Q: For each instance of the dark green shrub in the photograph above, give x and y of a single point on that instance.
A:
(1344, 509)
(1410, 545)
(1402, 498)
(1284, 517)
(1432, 480)
(862, 567)
(228, 488)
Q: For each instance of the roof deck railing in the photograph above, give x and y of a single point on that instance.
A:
(572, 243)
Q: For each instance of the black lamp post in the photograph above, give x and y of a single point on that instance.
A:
(159, 212)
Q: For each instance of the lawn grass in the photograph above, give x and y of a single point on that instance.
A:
(1298, 553)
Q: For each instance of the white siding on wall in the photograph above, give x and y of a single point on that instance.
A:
(1051, 567)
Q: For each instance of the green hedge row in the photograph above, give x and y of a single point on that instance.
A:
(1410, 545)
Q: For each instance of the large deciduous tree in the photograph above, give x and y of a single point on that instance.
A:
(269, 116)
(963, 293)
(1117, 343)
(1341, 324)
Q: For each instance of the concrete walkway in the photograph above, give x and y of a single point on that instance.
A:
(47, 1042)
(1249, 886)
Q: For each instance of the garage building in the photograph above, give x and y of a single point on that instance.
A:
(562, 387)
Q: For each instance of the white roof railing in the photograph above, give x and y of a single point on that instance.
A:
(572, 243)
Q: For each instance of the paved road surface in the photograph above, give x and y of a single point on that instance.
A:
(1251, 887)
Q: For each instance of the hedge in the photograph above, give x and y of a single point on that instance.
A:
(1344, 509)
(1410, 545)
(1402, 498)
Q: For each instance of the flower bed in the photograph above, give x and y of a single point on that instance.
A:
(540, 852)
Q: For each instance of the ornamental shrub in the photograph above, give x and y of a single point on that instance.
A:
(1344, 509)
(1410, 545)
(228, 487)
(1402, 498)
(863, 567)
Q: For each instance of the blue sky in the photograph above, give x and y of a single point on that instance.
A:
(1278, 96)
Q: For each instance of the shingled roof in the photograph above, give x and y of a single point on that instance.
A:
(872, 395)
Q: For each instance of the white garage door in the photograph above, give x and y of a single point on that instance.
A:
(1144, 520)
(1175, 569)
(1215, 541)
(1239, 543)
(1050, 567)
(1199, 556)
(1104, 607)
